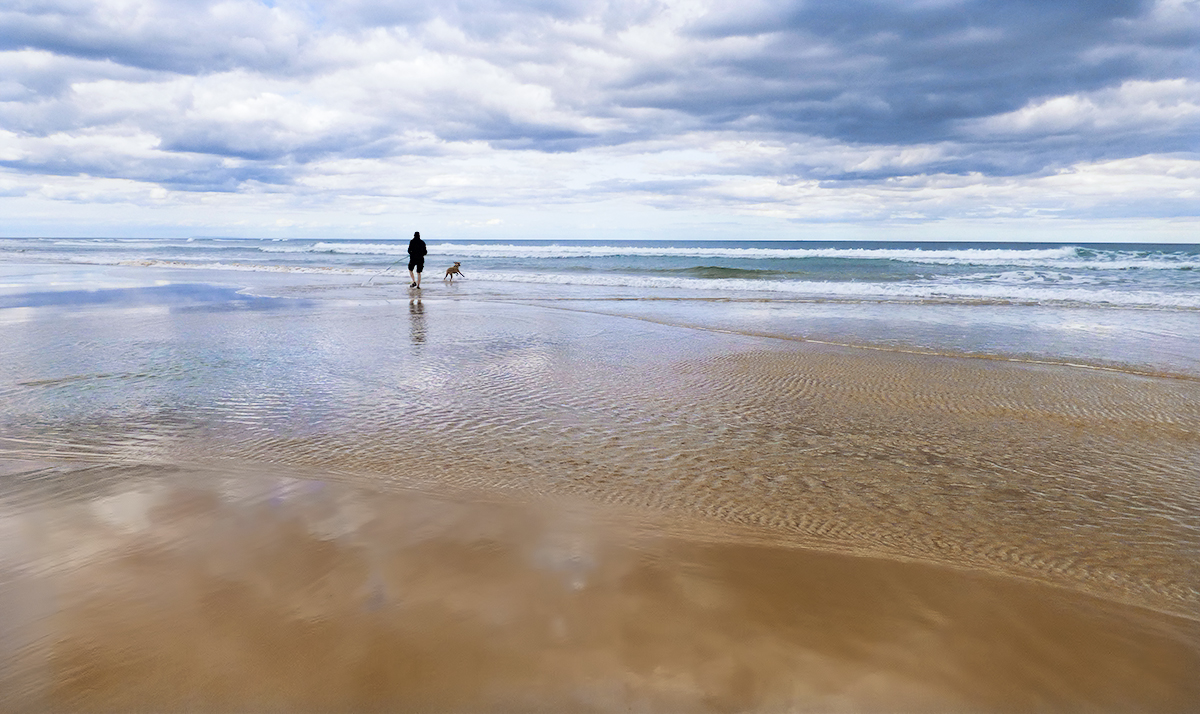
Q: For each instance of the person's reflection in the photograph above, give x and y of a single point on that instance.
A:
(416, 321)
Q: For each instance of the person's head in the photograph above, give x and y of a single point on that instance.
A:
(417, 234)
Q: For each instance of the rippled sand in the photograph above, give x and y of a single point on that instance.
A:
(453, 506)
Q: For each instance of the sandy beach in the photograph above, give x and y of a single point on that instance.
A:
(612, 357)
(219, 503)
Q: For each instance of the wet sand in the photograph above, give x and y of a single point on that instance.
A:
(198, 591)
(446, 506)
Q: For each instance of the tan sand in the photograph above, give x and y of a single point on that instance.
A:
(1084, 478)
(196, 593)
(802, 529)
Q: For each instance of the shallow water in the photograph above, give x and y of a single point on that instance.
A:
(217, 501)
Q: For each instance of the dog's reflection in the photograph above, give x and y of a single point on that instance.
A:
(416, 321)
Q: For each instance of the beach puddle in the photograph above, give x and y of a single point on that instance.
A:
(202, 590)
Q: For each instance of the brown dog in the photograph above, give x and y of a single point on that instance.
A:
(452, 271)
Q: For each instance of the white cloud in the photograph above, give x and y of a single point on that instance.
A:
(1159, 106)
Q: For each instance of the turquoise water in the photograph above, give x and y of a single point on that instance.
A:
(1111, 275)
(1127, 306)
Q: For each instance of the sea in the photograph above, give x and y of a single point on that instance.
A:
(1123, 305)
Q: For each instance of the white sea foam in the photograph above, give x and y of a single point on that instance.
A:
(868, 291)
(1011, 291)
(304, 249)
(1124, 275)
(1026, 277)
(131, 244)
(480, 250)
(249, 267)
(1066, 257)
(1057, 258)
(917, 255)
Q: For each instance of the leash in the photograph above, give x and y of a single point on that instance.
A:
(376, 275)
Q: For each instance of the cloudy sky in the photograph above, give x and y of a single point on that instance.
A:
(821, 119)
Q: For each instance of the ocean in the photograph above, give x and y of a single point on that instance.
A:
(1094, 275)
(1131, 306)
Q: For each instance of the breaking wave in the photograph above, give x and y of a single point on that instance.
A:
(1073, 257)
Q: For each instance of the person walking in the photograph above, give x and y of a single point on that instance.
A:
(416, 259)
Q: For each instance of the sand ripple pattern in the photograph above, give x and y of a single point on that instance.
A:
(1085, 478)
(1082, 478)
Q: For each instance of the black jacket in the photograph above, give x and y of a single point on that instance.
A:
(416, 248)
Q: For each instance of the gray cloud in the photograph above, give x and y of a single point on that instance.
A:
(185, 173)
(215, 96)
(882, 72)
(186, 36)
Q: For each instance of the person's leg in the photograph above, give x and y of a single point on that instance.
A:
(420, 269)
(412, 279)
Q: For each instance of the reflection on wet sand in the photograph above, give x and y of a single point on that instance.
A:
(1079, 478)
(196, 591)
(281, 507)
(416, 321)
